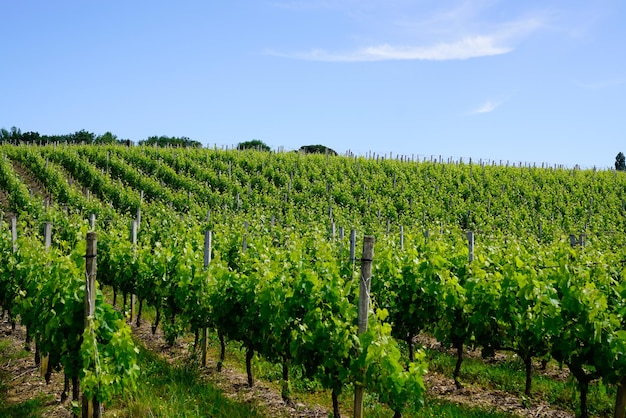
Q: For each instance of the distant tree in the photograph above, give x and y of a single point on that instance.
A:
(15, 134)
(256, 144)
(81, 136)
(317, 149)
(620, 162)
(58, 138)
(32, 138)
(165, 141)
(106, 138)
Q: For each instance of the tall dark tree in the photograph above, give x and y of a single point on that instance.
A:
(620, 162)
(15, 134)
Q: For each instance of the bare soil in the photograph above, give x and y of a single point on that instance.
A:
(23, 379)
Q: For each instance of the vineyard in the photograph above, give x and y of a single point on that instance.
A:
(266, 250)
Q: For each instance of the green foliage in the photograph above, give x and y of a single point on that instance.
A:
(46, 289)
(396, 384)
(108, 355)
(290, 295)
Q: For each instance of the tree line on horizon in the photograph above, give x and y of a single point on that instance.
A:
(16, 136)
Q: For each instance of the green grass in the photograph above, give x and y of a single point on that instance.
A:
(175, 390)
(435, 408)
(167, 390)
(32, 408)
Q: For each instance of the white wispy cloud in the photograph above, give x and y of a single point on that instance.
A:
(452, 34)
(487, 107)
(469, 47)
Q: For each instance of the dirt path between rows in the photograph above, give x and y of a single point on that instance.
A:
(24, 382)
(443, 387)
(31, 182)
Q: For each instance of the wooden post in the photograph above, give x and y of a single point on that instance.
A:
(92, 221)
(364, 300)
(133, 238)
(352, 245)
(244, 245)
(14, 233)
(139, 210)
(47, 233)
(470, 245)
(208, 241)
(90, 407)
(402, 237)
(43, 362)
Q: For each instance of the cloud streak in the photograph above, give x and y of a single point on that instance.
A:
(469, 47)
(456, 33)
(488, 107)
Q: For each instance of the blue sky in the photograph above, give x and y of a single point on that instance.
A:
(531, 81)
